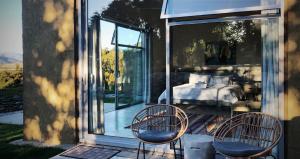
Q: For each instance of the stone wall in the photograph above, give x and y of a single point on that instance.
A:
(292, 78)
(49, 71)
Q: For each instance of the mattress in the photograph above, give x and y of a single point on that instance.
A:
(200, 92)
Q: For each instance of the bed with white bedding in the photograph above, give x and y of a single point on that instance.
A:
(206, 89)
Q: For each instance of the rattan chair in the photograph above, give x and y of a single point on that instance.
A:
(159, 124)
(248, 135)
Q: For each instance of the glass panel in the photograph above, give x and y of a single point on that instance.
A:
(142, 14)
(108, 63)
(128, 37)
(130, 88)
(101, 73)
(216, 70)
(139, 14)
(217, 44)
(131, 76)
(209, 6)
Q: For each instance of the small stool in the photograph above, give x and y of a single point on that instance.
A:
(198, 147)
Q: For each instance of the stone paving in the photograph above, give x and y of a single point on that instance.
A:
(22, 142)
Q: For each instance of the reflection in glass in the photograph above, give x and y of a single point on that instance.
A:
(220, 44)
(124, 60)
(214, 67)
(108, 64)
(144, 15)
(131, 76)
(128, 37)
(192, 6)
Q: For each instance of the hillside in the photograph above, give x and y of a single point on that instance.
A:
(9, 61)
(10, 58)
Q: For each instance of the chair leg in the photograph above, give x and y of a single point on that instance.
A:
(180, 148)
(274, 157)
(138, 153)
(144, 151)
(171, 145)
(174, 143)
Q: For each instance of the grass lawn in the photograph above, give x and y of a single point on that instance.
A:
(10, 92)
(9, 133)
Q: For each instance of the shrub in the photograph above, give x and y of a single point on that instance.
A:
(11, 78)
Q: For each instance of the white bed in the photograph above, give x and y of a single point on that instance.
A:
(205, 88)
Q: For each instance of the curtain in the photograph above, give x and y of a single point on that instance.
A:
(270, 50)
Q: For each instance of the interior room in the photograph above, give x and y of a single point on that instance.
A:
(216, 71)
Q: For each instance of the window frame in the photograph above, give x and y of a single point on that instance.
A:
(165, 15)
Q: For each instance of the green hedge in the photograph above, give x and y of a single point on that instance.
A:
(10, 79)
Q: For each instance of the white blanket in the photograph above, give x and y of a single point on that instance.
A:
(219, 93)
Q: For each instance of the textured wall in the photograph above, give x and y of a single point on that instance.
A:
(49, 72)
(292, 78)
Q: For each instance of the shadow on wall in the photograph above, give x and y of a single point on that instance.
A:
(49, 71)
(292, 77)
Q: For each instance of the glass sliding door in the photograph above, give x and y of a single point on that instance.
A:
(117, 73)
(223, 68)
(101, 73)
(131, 70)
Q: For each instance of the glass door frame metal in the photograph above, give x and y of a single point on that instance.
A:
(95, 78)
(95, 84)
(276, 13)
(145, 50)
(170, 23)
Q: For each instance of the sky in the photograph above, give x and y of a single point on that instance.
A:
(97, 5)
(11, 26)
(126, 36)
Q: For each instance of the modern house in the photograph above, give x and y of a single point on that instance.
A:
(90, 65)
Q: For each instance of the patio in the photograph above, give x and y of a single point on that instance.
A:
(247, 135)
(119, 153)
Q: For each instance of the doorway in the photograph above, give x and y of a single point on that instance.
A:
(118, 78)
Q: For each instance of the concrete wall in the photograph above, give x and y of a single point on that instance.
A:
(49, 72)
(292, 78)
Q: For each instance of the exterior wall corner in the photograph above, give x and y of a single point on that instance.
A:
(49, 71)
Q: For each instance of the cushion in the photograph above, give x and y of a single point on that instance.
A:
(198, 78)
(215, 80)
(237, 149)
(157, 136)
(200, 84)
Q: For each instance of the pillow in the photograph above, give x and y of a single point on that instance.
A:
(214, 80)
(198, 78)
(201, 84)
